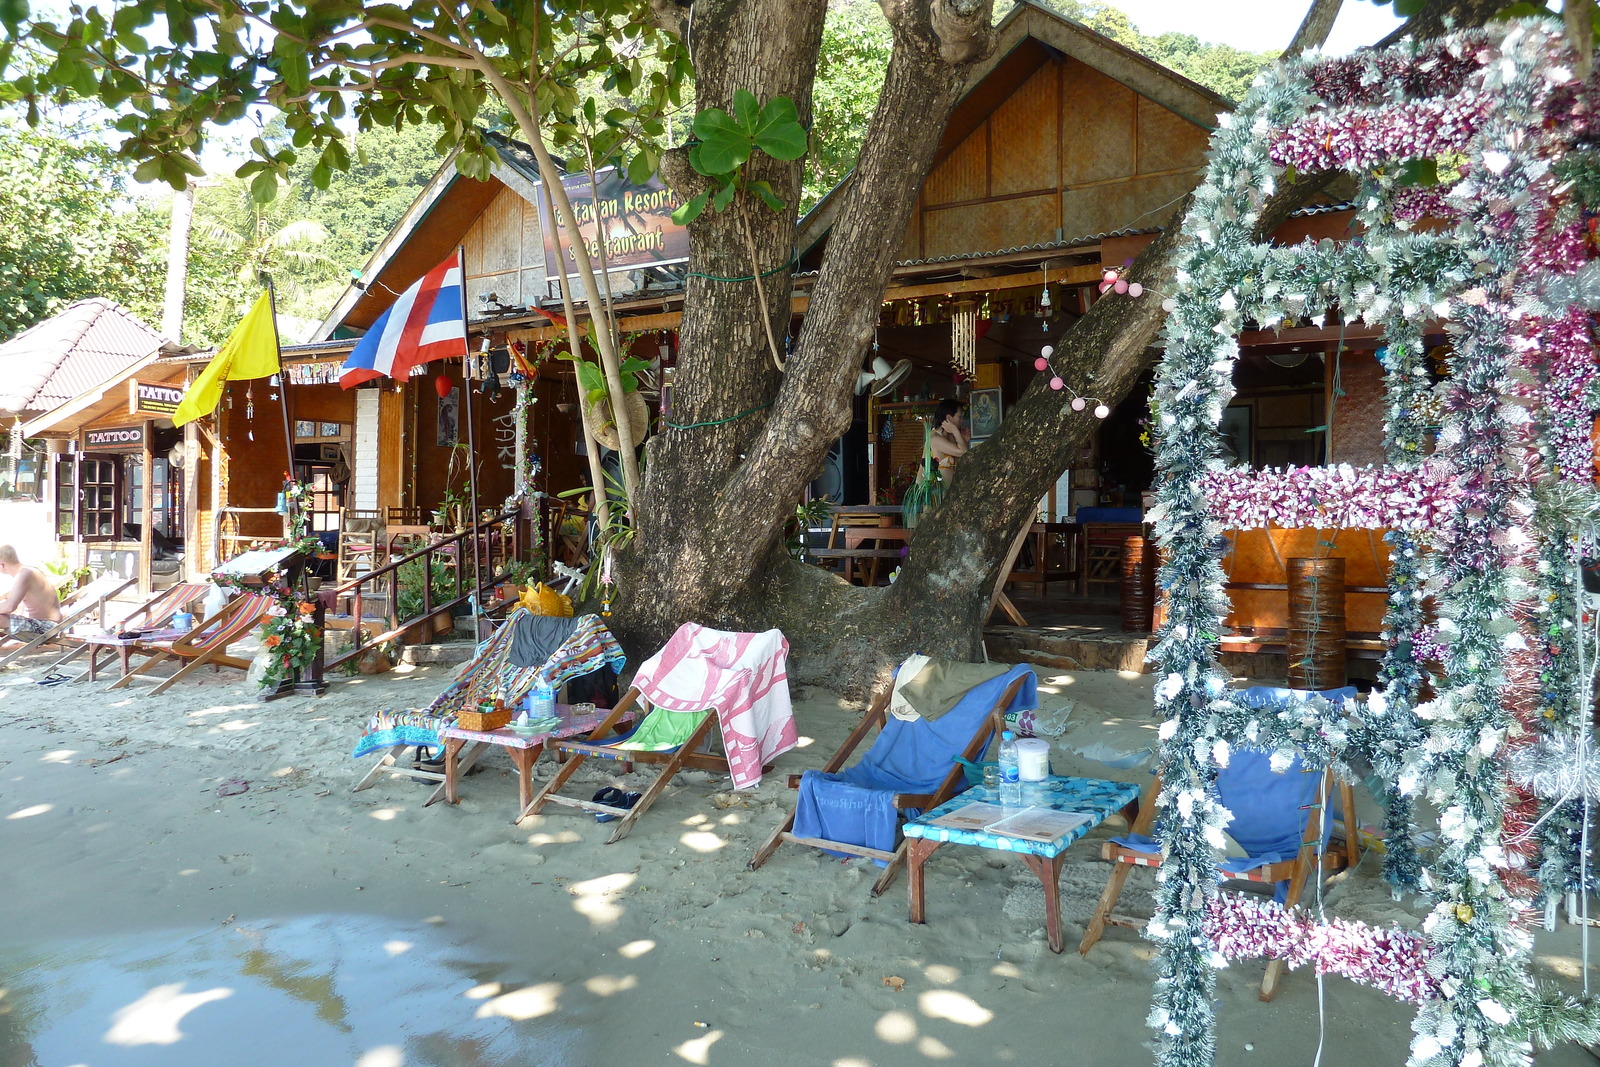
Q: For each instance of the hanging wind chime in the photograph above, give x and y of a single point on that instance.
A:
(964, 340)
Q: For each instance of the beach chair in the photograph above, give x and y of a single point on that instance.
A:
(90, 599)
(911, 765)
(575, 648)
(206, 643)
(1280, 820)
(741, 677)
(153, 614)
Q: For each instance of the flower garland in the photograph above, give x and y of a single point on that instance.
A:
(291, 632)
(1392, 961)
(1342, 496)
(1510, 79)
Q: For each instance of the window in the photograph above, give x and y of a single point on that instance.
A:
(167, 510)
(88, 492)
(327, 497)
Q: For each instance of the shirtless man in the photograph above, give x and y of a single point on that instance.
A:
(31, 605)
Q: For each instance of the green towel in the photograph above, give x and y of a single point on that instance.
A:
(663, 731)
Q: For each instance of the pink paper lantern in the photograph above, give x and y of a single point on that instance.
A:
(1057, 384)
(1041, 364)
(1079, 403)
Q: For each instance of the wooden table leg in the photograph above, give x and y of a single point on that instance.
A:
(452, 768)
(525, 758)
(1048, 870)
(918, 849)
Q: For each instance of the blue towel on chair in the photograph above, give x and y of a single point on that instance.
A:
(856, 805)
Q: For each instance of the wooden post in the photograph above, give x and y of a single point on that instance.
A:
(147, 511)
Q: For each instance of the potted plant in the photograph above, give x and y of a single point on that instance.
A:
(516, 574)
(439, 580)
(597, 415)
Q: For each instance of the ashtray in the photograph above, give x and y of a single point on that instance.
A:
(533, 726)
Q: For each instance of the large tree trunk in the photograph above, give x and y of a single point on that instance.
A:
(717, 495)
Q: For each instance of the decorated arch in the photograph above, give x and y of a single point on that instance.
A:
(1485, 499)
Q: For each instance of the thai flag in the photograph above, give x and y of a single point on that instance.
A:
(427, 322)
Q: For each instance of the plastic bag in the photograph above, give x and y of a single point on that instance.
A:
(543, 600)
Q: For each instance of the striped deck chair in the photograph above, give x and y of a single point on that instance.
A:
(1282, 820)
(153, 614)
(488, 675)
(79, 605)
(206, 643)
(742, 677)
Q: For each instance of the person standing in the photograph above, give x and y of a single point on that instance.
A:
(30, 606)
(951, 438)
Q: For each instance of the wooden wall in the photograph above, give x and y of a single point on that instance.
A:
(505, 252)
(1070, 150)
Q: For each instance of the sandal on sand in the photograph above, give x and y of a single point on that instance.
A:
(52, 679)
(615, 798)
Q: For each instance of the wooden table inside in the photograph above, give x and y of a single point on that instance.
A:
(523, 748)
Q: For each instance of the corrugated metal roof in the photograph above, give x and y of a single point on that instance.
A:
(53, 361)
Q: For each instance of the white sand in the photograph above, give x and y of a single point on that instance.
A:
(113, 825)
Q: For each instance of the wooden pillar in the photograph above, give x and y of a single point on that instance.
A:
(147, 511)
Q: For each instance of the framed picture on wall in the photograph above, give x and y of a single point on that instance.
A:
(330, 453)
(449, 423)
(1234, 428)
(333, 429)
(983, 413)
(304, 429)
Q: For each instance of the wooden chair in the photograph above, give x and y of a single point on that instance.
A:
(1301, 816)
(408, 516)
(206, 643)
(90, 599)
(151, 615)
(1101, 560)
(361, 535)
(986, 717)
(569, 532)
(745, 663)
(869, 565)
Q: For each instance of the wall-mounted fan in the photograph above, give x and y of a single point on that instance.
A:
(882, 377)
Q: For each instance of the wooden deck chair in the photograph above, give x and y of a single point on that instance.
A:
(586, 647)
(80, 604)
(361, 535)
(206, 643)
(911, 764)
(1280, 819)
(152, 614)
(724, 669)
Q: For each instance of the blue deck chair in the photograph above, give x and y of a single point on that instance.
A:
(1278, 819)
(910, 767)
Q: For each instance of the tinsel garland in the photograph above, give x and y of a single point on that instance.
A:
(1341, 496)
(1511, 80)
(1392, 961)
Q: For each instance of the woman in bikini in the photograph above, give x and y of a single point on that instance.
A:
(950, 437)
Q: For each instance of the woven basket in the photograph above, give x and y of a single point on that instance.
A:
(597, 418)
(483, 720)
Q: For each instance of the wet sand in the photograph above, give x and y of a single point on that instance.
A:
(153, 921)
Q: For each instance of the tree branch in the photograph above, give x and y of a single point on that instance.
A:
(1430, 21)
(1314, 28)
(672, 16)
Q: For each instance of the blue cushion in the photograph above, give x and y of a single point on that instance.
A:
(1110, 515)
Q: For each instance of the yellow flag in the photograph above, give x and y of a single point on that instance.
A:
(251, 351)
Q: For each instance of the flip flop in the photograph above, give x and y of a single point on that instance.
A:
(609, 796)
(52, 679)
(623, 800)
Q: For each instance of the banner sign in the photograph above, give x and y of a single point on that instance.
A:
(156, 399)
(635, 222)
(120, 439)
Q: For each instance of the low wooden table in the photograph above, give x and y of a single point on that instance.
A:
(1092, 796)
(98, 643)
(524, 749)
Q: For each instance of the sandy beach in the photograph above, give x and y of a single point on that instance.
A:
(156, 915)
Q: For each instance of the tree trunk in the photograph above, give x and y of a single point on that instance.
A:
(720, 486)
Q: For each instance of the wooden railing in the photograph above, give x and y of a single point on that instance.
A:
(458, 546)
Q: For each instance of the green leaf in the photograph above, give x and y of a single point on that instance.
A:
(778, 131)
(640, 168)
(12, 13)
(1407, 8)
(264, 187)
(768, 197)
(723, 197)
(746, 111)
(723, 145)
(690, 211)
(1419, 172)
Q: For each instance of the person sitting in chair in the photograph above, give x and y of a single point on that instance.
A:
(30, 606)
(951, 439)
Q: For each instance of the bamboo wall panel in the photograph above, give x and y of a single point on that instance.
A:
(1355, 434)
(1117, 205)
(989, 226)
(1024, 135)
(1167, 141)
(1257, 557)
(963, 175)
(1099, 116)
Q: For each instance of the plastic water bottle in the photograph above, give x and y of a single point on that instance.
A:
(544, 701)
(1010, 773)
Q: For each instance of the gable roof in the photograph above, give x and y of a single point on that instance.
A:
(1030, 36)
(70, 353)
(431, 227)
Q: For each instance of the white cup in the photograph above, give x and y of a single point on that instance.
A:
(1033, 759)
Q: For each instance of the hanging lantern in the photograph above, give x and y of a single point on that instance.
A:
(442, 385)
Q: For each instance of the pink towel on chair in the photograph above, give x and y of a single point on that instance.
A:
(744, 676)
